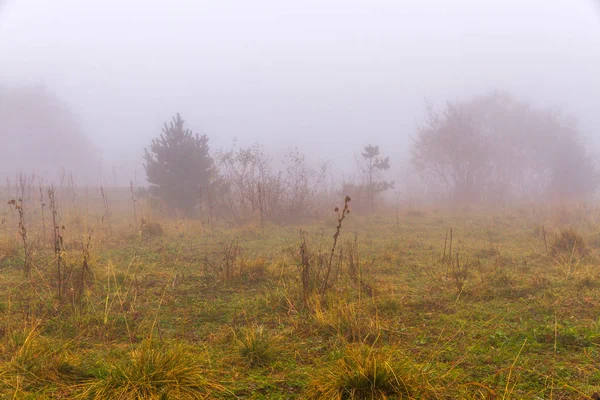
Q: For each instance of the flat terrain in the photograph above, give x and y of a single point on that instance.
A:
(403, 308)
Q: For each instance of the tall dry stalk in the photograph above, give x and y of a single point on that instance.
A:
(211, 208)
(73, 193)
(42, 206)
(306, 287)
(545, 240)
(27, 246)
(85, 270)
(57, 239)
(133, 202)
(340, 218)
(260, 207)
(107, 213)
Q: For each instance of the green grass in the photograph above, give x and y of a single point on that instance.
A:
(182, 315)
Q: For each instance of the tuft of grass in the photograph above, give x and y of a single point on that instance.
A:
(348, 321)
(363, 373)
(37, 367)
(568, 244)
(255, 347)
(154, 372)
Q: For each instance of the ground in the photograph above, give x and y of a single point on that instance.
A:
(477, 303)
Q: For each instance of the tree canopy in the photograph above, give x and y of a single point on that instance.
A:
(42, 135)
(179, 167)
(493, 146)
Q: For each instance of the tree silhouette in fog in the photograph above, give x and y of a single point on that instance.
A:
(494, 147)
(374, 165)
(42, 135)
(179, 167)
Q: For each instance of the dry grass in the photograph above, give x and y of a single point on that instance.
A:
(363, 372)
(154, 371)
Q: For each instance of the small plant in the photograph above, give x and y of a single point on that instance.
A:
(153, 372)
(362, 373)
(568, 243)
(151, 228)
(459, 274)
(348, 321)
(256, 347)
(28, 246)
(230, 256)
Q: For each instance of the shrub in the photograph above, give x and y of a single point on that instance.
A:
(151, 228)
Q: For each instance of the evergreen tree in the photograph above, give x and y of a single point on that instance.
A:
(178, 167)
(374, 165)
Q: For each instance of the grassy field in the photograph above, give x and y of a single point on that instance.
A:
(419, 303)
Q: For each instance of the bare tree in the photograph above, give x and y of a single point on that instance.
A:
(493, 146)
(44, 135)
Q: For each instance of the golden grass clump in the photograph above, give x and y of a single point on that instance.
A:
(154, 372)
(256, 347)
(348, 321)
(363, 373)
(36, 367)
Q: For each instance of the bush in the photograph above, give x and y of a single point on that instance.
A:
(151, 228)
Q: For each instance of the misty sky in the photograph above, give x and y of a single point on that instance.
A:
(327, 75)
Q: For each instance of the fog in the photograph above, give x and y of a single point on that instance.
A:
(328, 77)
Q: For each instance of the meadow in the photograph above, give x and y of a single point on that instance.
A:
(410, 303)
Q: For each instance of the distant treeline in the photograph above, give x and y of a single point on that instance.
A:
(488, 149)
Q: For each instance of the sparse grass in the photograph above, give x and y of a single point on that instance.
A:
(232, 315)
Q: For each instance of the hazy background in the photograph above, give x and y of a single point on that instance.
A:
(327, 76)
